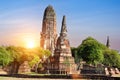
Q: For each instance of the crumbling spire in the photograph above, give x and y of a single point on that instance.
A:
(63, 28)
(108, 42)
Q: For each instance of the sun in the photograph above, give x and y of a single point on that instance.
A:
(29, 41)
(30, 44)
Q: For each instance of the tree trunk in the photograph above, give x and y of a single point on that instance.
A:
(36, 67)
(14, 67)
(17, 67)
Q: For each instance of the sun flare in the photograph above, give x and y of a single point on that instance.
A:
(30, 44)
(29, 41)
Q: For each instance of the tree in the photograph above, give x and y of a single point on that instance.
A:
(91, 51)
(36, 55)
(18, 57)
(35, 59)
(111, 58)
(5, 57)
(75, 54)
(15, 56)
(41, 52)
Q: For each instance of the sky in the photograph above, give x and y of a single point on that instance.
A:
(21, 20)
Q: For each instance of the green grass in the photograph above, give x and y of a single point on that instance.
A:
(13, 78)
(33, 73)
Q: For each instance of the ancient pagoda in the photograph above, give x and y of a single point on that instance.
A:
(63, 56)
(48, 34)
(61, 62)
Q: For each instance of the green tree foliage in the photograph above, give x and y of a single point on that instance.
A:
(111, 58)
(75, 55)
(5, 57)
(15, 52)
(36, 56)
(35, 59)
(18, 56)
(91, 51)
(41, 52)
(94, 52)
(47, 53)
(15, 56)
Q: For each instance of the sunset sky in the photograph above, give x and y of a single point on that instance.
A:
(21, 20)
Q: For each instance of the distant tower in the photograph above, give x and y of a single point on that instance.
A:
(108, 42)
(48, 34)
